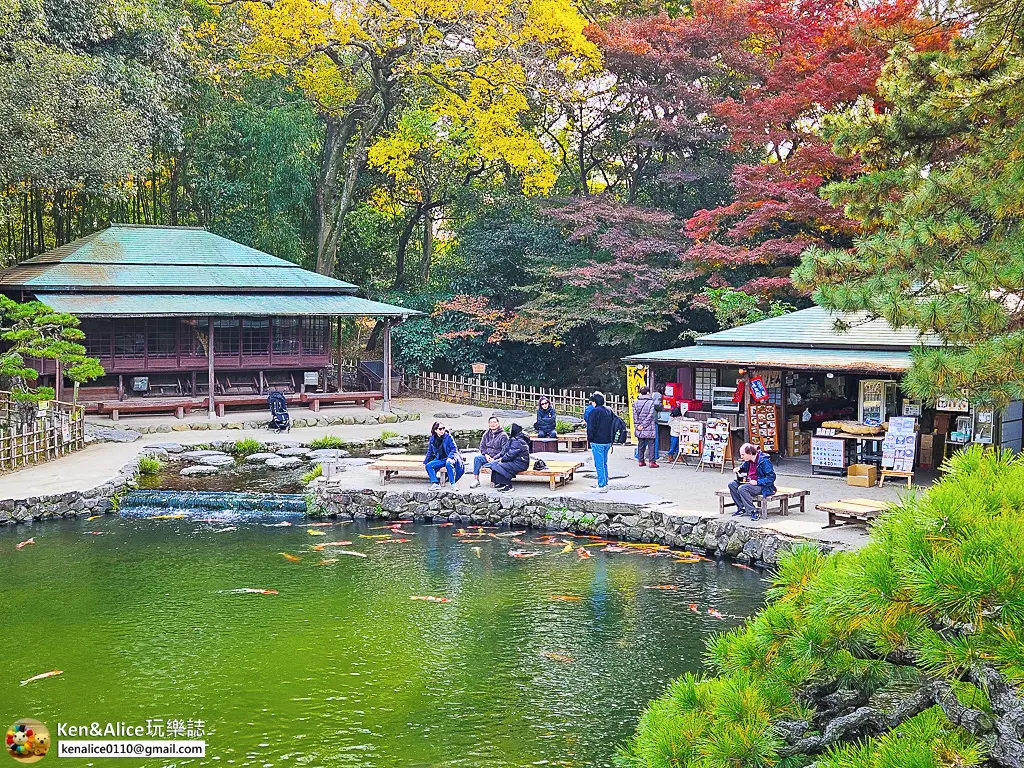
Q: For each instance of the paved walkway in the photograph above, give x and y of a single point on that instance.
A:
(677, 487)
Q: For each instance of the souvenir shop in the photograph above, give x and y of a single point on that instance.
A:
(804, 392)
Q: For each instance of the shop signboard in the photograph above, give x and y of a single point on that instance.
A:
(763, 426)
(900, 444)
(954, 404)
(828, 452)
(716, 438)
(758, 391)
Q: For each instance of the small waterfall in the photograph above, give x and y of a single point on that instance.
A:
(223, 505)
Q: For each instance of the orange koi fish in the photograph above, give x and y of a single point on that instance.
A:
(25, 543)
(94, 517)
(567, 598)
(445, 525)
(583, 554)
(517, 541)
(716, 614)
(562, 657)
(394, 541)
(431, 598)
(687, 560)
(43, 676)
(693, 607)
(663, 586)
(317, 547)
(251, 591)
(290, 558)
(471, 541)
(744, 567)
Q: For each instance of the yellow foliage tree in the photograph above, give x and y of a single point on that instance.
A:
(474, 64)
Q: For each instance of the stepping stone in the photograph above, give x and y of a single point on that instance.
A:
(279, 444)
(284, 462)
(259, 458)
(201, 454)
(169, 447)
(199, 469)
(387, 451)
(473, 414)
(216, 461)
(296, 451)
(111, 434)
(396, 442)
(156, 453)
(327, 453)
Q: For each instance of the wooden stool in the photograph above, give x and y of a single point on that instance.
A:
(543, 445)
(893, 474)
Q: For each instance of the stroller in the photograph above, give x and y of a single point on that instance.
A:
(280, 421)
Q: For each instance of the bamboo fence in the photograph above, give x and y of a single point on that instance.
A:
(35, 432)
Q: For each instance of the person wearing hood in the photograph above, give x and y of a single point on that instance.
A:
(443, 452)
(601, 435)
(513, 460)
(546, 419)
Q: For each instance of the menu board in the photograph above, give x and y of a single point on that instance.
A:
(716, 441)
(763, 426)
(900, 444)
(828, 452)
(689, 432)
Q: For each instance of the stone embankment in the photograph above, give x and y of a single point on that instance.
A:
(298, 422)
(612, 519)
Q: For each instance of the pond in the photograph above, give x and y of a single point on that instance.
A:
(341, 667)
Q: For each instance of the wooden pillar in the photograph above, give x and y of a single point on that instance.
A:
(120, 386)
(209, 364)
(387, 366)
(58, 384)
(341, 386)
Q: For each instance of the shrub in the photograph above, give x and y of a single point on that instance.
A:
(247, 447)
(313, 474)
(149, 465)
(563, 427)
(388, 433)
(328, 441)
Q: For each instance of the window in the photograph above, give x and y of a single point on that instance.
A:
(188, 333)
(286, 335)
(225, 336)
(255, 336)
(314, 335)
(97, 337)
(162, 333)
(704, 380)
(130, 339)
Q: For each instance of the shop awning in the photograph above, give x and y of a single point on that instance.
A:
(834, 360)
(217, 305)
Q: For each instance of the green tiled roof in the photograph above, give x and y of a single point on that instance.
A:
(216, 305)
(848, 360)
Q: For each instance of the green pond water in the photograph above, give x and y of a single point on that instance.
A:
(341, 668)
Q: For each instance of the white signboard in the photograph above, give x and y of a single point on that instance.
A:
(956, 404)
(899, 445)
(828, 452)
(716, 438)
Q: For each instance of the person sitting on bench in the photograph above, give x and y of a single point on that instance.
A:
(754, 477)
(513, 460)
(492, 445)
(443, 452)
(546, 419)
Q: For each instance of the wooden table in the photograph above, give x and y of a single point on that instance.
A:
(852, 511)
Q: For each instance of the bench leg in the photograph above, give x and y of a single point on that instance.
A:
(721, 505)
(551, 482)
(114, 414)
(179, 412)
(784, 506)
(314, 406)
(221, 409)
(369, 403)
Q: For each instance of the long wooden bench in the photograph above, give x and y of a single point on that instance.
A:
(315, 399)
(777, 502)
(557, 473)
(221, 402)
(852, 511)
(179, 406)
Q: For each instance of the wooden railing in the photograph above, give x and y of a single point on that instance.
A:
(34, 432)
(494, 394)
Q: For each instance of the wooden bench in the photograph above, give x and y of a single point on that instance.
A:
(314, 399)
(574, 442)
(777, 502)
(852, 511)
(557, 473)
(178, 405)
(221, 402)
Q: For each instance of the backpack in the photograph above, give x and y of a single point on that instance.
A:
(620, 432)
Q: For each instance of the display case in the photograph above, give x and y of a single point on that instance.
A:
(721, 399)
(877, 401)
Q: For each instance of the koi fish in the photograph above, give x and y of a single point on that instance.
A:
(687, 560)
(567, 598)
(471, 541)
(508, 534)
(716, 614)
(94, 517)
(744, 567)
(599, 544)
(562, 657)
(290, 558)
(431, 598)
(328, 561)
(693, 607)
(313, 532)
(335, 544)
(614, 548)
(583, 554)
(349, 552)
(282, 524)
(176, 516)
(394, 541)
(93, 533)
(251, 591)
(476, 551)
(26, 542)
(445, 525)
(318, 525)
(374, 536)
(521, 553)
(663, 586)
(225, 530)
(517, 541)
(567, 548)
(317, 547)
(43, 676)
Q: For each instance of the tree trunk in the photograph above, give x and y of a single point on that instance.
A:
(427, 257)
(403, 246)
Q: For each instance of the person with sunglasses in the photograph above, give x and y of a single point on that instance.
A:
(546, 419)
(443, 452)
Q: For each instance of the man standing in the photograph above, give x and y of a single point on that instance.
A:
(601, 434)
(645, 414)
(754, 477)
(492, 445)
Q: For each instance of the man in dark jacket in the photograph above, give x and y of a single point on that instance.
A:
(513, 460)
(601, 434)
(754, 477)
(492, 445)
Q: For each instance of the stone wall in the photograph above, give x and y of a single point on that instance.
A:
(298, 421)
(96, 501)
(631, 522)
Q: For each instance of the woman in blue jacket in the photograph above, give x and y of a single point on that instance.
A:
(514, 459)
(546, 419)
(443, 452)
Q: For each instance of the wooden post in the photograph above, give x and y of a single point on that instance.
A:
(209, 365)
(59, 381)
(341, 367)
(120, 386)
(386, 407)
